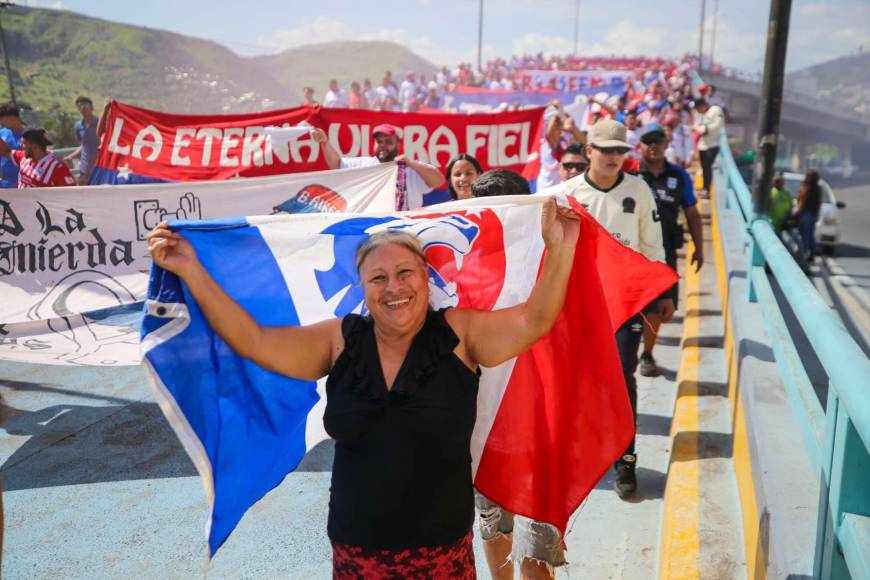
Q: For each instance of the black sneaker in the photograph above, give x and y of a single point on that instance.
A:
(626, 480)
(648, 366)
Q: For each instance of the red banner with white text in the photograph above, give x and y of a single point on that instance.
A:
(143, 145)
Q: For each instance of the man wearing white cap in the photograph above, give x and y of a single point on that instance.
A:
(625, 206)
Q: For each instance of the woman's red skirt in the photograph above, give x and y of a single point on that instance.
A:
(448, 562)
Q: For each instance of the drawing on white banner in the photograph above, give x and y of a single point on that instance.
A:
(59, 335)
(149, 213)
(104, 338)
(314, 198)
(62, 298)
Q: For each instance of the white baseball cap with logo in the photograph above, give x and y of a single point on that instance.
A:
(608, 133)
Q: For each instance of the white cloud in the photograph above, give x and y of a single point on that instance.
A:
(533, 43)
(826, 32)
(329, 29)
(626, 38)
(818, 32)
(312, 30)
(813, 9)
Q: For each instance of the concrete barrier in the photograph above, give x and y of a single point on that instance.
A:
(778, 488)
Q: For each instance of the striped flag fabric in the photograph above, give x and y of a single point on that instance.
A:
(550, 422)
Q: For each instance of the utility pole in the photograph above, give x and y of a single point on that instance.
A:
(715, 24)
(4, 6)
(771, 103)
(701, 36)
(576, 25)
(480, 39)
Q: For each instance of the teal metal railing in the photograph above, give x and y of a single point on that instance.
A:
(836, 437)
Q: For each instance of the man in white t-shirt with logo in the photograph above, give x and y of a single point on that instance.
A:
(625, 206)
(420, 178)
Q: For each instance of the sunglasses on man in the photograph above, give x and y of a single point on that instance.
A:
(571, 166)
(653, 140)
(82, 106)
(612, 150)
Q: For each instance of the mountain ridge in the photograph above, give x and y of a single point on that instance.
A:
(59, 54)
(844, 80)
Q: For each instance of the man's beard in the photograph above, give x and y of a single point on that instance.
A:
(384, 156)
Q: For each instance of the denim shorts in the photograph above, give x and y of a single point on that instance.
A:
(531, 539)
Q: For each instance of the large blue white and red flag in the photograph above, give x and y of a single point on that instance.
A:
(550, 422)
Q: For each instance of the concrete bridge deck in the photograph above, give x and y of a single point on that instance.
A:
(97, 486)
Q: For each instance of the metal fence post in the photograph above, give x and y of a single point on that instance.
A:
(849, 491)
(824, 526)
(755, 259)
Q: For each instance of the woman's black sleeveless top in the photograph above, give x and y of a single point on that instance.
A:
(402, 471)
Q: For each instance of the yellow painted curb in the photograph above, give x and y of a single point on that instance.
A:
(680, 539)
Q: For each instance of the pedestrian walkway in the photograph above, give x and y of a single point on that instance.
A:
(96, 485)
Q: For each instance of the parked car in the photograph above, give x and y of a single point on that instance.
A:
(835, 169)
(828, 226)
(842, 170)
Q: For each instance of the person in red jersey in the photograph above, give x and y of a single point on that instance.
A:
(37, 167)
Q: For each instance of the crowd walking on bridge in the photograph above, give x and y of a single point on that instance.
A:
(627, 164)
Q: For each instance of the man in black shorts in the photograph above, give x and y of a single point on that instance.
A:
(672, 189)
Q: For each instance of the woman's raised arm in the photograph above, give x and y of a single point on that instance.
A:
(494, 337)
(303, 352)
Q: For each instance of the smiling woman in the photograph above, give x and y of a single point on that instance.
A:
(462, 171)
(401, 392)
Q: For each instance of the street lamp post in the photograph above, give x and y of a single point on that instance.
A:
(715, 24)
(701, 36)
(480, 39)
(576, 25)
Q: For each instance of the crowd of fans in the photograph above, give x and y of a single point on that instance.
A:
(624, 158)
(657, 91)
(415, 91)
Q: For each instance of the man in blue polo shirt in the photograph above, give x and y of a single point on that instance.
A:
(11, 130)
(672, 189)
(86, 133)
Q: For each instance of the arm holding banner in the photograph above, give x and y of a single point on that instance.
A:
(302, 352)
(333, 157)
(571, 127)
(430, 175)
(104, 118)
(494, 337)
(554, 131)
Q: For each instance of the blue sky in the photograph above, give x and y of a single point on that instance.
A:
(445, 31)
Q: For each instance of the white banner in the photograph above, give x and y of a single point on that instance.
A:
(67, 255)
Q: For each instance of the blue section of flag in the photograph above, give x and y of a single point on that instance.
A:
(102, 176)
(250, 421)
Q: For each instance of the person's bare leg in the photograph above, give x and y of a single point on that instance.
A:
(498, 556)
(535, 570)
(651, 332)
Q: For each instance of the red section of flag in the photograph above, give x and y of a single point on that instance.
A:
(565, 415)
